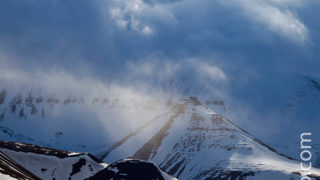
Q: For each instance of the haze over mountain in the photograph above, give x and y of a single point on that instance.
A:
(94, 109)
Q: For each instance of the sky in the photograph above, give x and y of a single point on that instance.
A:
(104, 35)
(236, 50)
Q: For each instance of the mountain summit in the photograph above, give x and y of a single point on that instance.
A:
(192, 142)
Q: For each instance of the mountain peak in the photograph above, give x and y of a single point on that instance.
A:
(194, 101)
(192, 142)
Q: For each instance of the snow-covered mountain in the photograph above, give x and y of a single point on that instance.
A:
(31, 162)
(192, 142)
(46, 163)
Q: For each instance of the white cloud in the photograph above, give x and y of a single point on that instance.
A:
(126, 15)
(213, 72)
(274, 15)
(147, 30)
(168, 69)
(136, 15)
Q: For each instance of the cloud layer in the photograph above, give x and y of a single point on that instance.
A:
(276, 16)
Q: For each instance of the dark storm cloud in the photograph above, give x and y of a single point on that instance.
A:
(105, 34)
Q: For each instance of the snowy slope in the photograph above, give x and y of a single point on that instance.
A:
(31, 162)
(9, 169)
(48, 163)
(192, 142)
(277, 109)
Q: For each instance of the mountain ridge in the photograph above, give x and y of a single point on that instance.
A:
(30, 162)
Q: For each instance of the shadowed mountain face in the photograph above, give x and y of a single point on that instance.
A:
(192, 142)
(30, 162)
